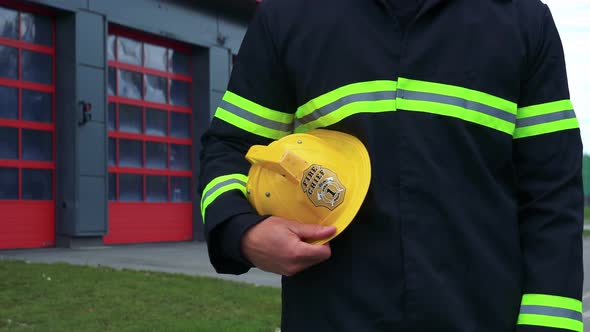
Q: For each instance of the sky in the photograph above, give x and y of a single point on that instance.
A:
(572, 18)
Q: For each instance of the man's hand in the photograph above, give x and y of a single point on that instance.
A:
(278, 245)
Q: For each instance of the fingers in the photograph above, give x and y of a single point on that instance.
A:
(311, 233)
(306, 255)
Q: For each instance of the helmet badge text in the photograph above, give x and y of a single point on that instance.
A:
(322, 187)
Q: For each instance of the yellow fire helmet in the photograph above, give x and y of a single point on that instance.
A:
(319, 177)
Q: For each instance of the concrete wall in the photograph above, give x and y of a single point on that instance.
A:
(82, 25)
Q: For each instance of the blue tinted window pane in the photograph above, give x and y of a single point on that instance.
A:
(155, 57)
(37, 67)
(8, 183)
(8, 143)
(180, 125)
(130, 187)
(112, 117)
(156, 155)
(128, 51)
(37, 184)
(112, 86)
(8, 23)
(112, 187)
(179, 62)
(8, 103)
(130, 153)
(155, 89)
(180, 189)
(37, 145)
(156, 188)
(111, 47)
(130, 119)
(37, 106)
(129, 84)
(112, 152)
(179, 93)
(180, 157)
(36, 29)
(156, 122)
(8, 62)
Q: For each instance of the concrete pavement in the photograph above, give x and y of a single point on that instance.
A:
(180, 257)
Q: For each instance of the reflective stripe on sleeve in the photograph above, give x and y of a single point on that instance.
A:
(221, 185)
(458, 102)
(545, 118)
(336, 105)
(551, 311)
(251, 117)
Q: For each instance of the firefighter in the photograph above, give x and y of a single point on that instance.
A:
(473, 218)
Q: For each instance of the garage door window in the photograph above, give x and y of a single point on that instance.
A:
(150, 145)
(27, 105)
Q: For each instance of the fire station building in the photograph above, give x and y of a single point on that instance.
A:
(102, 104)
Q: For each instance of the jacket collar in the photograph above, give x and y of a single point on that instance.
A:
(426, 6)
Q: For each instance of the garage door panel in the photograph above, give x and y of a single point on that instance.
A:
(27, 131)
(27, 224)
(150, 139)
(149, 222)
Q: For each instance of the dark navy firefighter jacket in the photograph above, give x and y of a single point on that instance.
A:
(473, 220)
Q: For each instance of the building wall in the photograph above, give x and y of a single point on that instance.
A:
(81, 76)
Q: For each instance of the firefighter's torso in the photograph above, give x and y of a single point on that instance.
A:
(435, 245)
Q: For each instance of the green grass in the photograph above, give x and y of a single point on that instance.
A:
(587, 214)
(62, 297)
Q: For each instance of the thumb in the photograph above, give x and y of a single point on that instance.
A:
(312, 232)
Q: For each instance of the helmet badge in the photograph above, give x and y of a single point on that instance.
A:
(322, 187)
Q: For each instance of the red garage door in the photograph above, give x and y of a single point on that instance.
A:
(27, 130)
(150, 145)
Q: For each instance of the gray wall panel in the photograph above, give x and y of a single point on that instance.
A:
(201, 91)
(70, 5)
(91, 88)
(66, 173)
(234, 32)
(219, 72)
(90, 38)
(92, 195)
(91, 150)
(176, 21)
(92, 143)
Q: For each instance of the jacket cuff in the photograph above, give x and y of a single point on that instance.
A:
(225, 244)
(530, 328)
(550, 313)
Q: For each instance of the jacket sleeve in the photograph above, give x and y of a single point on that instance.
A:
(548, 161)
(257, 108)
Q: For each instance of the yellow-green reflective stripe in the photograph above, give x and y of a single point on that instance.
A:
(456, 112)
(355, 99)
(346, 111)
(459, 92)
(546, 128)
(259, 110)
(221, 185)
(552, 301)
(551, 321)
(540, 109)
(347, 90)
(249, 126)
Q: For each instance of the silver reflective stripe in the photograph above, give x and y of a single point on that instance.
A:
(335, 105)
(545, 118)
(238, 111)
(219, 185)
(551, 311)
(460, 102)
